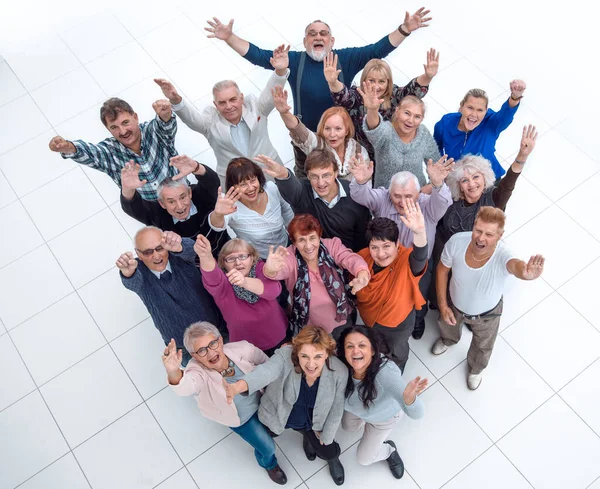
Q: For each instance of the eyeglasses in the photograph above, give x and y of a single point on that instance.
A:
(314, 33)
(150, 251)
(315, 178)
(213, 345)
(233, 259)
(246, 183)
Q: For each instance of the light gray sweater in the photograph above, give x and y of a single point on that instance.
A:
(393, 155)
(283, 387)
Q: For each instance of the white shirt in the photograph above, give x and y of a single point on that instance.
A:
(193, 212)
(341, 193)
(475, 290)
(240, 136)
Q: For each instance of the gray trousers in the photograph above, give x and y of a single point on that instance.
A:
(485, 330)
(371, 448)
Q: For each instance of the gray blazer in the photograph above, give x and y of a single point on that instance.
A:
(283, 387)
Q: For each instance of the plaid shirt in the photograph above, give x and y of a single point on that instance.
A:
(110, 156)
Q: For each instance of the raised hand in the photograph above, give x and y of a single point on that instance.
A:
(163, 109)
(236, 277)
(534, 267)
(60, 145)
(171, 241)
(439, 171)
(280, 99)
(172, 358)
(433, 63)
(361, 170)
(517, 87)
(130, 176)
(280, 59)
(275, 261)
(447, 315)
(417, 20)
(413, 217)
(414, 388)
(226, 203)
(185, 165)
(360, 281)
(127, 264)
(527, 141)
(330, 70)
(369, 96)
(272, 168)
(168, 90)
(219, 30)
(203, 248)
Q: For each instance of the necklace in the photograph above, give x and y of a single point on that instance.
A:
(479, 260)
(230, 370)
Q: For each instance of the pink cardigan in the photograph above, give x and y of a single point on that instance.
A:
(321, 311)
(207, 385)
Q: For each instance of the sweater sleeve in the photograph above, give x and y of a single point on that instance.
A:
(381, 135)
(135, 282)
(269, 371)
(290, 189)
(365, 194)
(144, 211)
(345, 257)
(432, 151)
(354, 59)
(303, 138)
(411, 88)
(418, 259)
(393, 384)
(187, 253)
(290, 265)
(204, 194)
(502, 193)
(272, 287)
(349, 98)
(216, 283)
(259, 57)
(498, 121)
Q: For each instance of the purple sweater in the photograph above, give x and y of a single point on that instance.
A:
(263, 323)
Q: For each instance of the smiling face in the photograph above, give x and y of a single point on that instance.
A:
(323, 181)
(214, 359)
(230, 103)
(473, 111)
(126, 129)
(249, 191)
(177, 201)
(408, 118)
(485, 237)
(318, 41)
(312, 359)
(358, 352)
(408, 191)
(335, 131)
(149, 249)
(383, 252)
(379, 80)
(472, 186)
(308, 246)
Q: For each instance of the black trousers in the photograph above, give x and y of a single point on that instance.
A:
(396, 339)
(324, 452)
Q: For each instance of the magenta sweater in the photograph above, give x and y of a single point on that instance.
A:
(263, 323)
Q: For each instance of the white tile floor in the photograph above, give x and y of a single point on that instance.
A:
(83, 402)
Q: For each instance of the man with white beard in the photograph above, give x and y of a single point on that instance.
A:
(310, 90)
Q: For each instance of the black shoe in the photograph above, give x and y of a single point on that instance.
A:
(417, 333)
(336, 469)
(277, 475)
(395, 462)
(309, 450)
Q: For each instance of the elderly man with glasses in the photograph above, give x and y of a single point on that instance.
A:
(167, 280)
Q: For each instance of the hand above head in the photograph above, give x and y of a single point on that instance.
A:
(414, 388)
(171, 241)
(528, 140)
(369, 95)
(361, 170)
(280, 59)
(330, 63)
(433, 63)
(203, 248)
(534, 267)
(219, 30)
(168, 90)
(226, 203)
(236, 277)
(185, 165)
(438, 171)
(60, 145)
(417, 20)
(163, 109)
(127, 264)
(172, 358)
(413, 217)
(517, 87)
(280, 99)
(275, 261)
(272, 168)
(130, 177)
(360, 281)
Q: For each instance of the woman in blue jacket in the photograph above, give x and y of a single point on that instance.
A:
(475, 128)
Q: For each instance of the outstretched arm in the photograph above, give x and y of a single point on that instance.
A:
(224, 32)
(526, 270)
(411, 23)
(431, 68)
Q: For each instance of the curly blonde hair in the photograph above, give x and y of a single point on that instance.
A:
(470, 164)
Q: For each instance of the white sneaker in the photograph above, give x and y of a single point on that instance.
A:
(439, 347)
(474, 381)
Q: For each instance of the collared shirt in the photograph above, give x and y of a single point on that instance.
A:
(341, 193)
(158, 274)
(193, 211)
(240, 136)
(157, 148)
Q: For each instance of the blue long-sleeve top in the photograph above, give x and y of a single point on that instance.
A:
(314, 90)
(480, 141)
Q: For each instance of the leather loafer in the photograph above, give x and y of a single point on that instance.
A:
(309, 451)
(277, 475)
(336, 469)
(395, 462)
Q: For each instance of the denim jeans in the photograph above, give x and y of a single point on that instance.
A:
(254, 432)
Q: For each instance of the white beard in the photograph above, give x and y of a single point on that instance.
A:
(318, 57)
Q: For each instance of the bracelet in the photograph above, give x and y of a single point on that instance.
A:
(516, 99)
(437, 188)
(197, 167)
(402, 31)
(520, 162)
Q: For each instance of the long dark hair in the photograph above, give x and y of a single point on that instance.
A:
(367, 390)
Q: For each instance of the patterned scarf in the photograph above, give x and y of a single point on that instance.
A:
(245, 294)
(332, 277)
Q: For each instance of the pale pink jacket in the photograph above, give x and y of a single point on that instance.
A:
(207, 385)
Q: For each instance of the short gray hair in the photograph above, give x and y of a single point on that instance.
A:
(197, 330)
(170, 183)
(224, 85)
(402, 178)
(143, 230)
(314, 22)
(469, 164)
